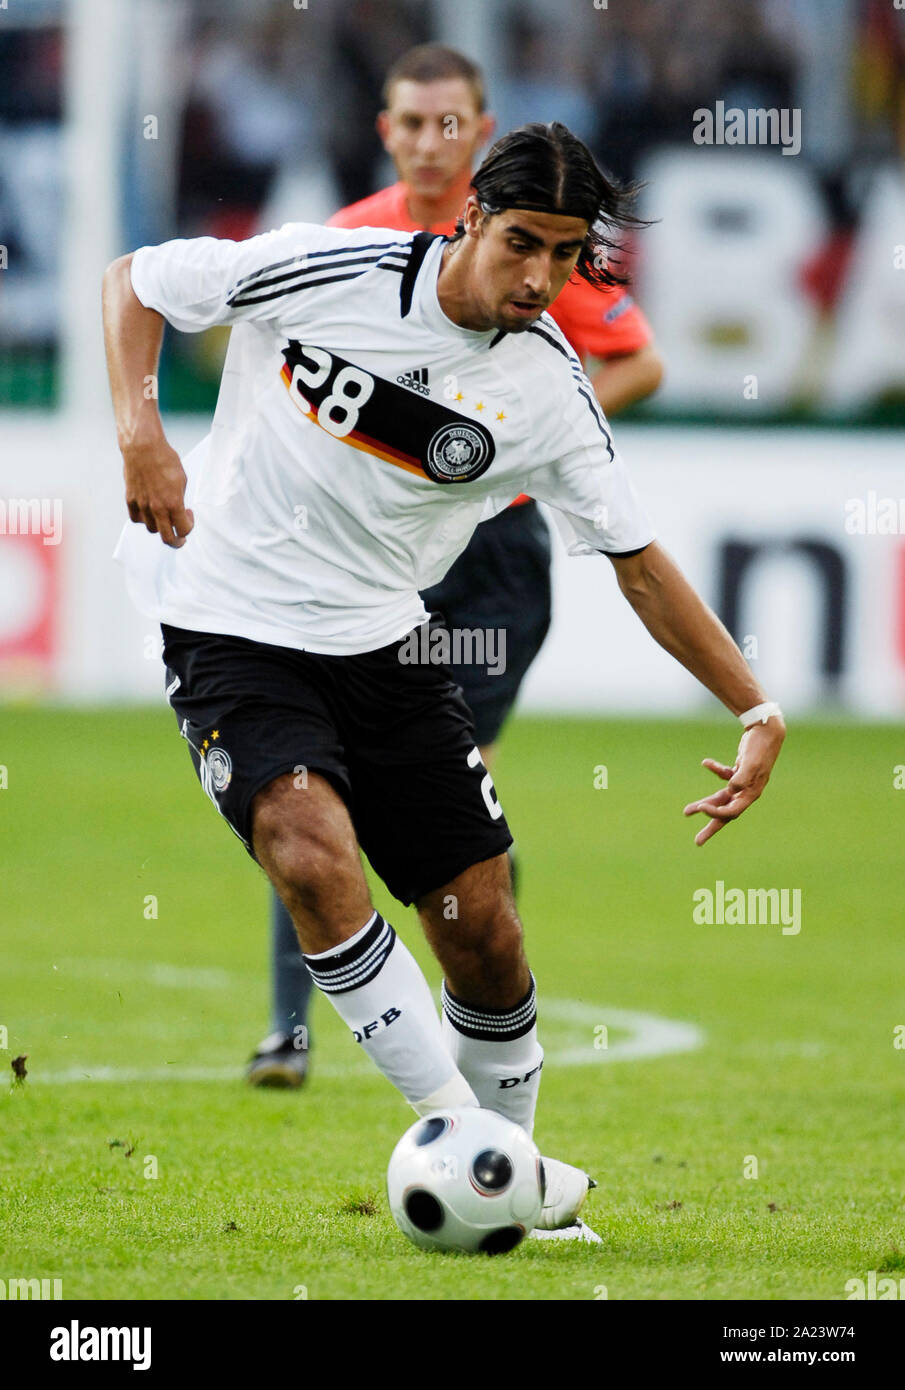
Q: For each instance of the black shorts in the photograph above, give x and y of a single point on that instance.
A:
(396, 741)
(500, 583)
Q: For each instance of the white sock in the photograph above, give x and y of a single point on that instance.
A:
(375, 985)
(497, 1052)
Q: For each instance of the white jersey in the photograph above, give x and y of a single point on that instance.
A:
(359, 438)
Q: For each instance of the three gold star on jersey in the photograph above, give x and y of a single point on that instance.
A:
(479, 405)
(206, 744)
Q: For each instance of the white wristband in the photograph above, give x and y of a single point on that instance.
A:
(760, 713)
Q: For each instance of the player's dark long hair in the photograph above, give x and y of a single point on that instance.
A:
(545, 168)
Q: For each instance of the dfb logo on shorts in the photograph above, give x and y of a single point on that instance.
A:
(457, 454)
(219, 768)
(519, 1080)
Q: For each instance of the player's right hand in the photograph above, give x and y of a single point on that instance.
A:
(155, 491)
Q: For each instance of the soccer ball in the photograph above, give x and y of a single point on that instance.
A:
(466, 1179)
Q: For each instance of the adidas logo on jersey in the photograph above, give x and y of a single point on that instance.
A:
(416, 380)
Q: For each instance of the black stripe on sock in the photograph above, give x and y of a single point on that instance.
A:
(491, 1025)
(338, 973)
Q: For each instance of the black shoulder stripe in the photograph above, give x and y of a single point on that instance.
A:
(266, 269)
(548, 338)
(421, 243)
(403, 247)
(595, 411)
(305, 256)
(306, 285)
(592, 403)
(299, 277)
(564, 347)
(248, 295)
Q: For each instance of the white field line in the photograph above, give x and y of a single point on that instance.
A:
(117, 971)
(646, 1035)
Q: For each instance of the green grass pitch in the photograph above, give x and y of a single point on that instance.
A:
(276, 1196)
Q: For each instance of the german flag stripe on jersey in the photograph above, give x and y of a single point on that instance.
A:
(385, 419)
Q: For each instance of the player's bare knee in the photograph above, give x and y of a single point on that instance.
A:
(301, 865)
(275, 834)
(298, 845)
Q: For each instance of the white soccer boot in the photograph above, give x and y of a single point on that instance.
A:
(566, 1189)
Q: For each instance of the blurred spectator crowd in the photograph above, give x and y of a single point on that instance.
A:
(626, 77)
(270, 89)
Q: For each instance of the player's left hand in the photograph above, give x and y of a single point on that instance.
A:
(757, 752)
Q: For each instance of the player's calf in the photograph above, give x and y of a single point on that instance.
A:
(474, 930)
(309, 851)
(489, 1000)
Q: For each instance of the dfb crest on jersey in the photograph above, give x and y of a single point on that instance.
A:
(457, 454)
(219, 768)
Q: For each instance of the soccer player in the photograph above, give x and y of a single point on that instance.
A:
(433, 125)
(326, 495)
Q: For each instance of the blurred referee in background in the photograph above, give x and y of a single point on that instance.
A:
(433, 124)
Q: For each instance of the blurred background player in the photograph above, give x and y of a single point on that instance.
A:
(433, 124)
